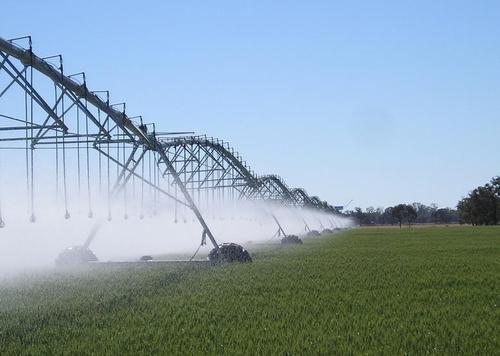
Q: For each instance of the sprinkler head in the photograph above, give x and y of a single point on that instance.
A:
(90, 215)
(32, 218)
(2, 224)
(66, 215)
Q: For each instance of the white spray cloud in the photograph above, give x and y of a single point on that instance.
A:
(167, 228)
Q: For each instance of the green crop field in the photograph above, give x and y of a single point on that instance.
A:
(365, 291)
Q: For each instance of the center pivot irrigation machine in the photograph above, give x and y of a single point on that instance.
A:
(45, 111)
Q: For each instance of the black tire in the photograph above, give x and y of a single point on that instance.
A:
(75, 255)
(228, 253)
(291, 240)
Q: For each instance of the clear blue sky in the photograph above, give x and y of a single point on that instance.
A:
(377, 101)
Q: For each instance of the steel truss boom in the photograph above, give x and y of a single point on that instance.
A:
(74, 117)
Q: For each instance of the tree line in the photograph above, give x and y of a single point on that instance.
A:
(415, 213)
(482, 205)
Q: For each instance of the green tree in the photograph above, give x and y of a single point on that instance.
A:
(443, 215)
(358, 214)
(410, 214)
(387, 216)
(482, 206)
(464, 208)
(398, 213)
